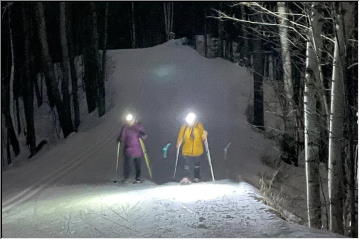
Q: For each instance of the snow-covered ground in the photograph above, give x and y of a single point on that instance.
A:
(67, 191)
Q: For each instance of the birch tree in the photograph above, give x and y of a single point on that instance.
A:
(344, 24)
(311, 128)
(285, 55)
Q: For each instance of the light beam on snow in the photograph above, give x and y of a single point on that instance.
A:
(177, 193)
(164, 71)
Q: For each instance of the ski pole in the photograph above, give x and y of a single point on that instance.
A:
(209, 158)
(117, 159)
(147, 161)
(177, 158)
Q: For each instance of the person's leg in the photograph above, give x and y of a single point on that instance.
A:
(197, 161)
(137, 162)
(187, 166)
(126, 170)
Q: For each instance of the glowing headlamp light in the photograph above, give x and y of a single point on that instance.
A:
(129, 117)
(190, 118)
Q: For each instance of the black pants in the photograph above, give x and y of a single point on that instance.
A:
(192, 163)
(127, 166)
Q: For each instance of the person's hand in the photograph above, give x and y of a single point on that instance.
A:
(144, 137)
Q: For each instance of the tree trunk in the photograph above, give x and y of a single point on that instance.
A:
(205, 35)
(289, 103)
(168, 18)
(285, 54)
(311, 129)
(74, 80)
(103, 64)
(337, 113)
(133, 29)
(51, 82)
(336, 144)
(7, 76)
(221, 38)
(91, 72)
(5, 160)
(100, 84)
(28, 88)
(65, 64)
(258, 84)
(11, 87)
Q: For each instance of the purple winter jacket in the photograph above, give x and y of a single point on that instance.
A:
(129, 138)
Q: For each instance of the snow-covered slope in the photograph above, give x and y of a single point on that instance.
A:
(68, 190)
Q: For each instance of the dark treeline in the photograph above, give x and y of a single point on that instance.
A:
(35, 36)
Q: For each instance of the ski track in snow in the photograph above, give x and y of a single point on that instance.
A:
(68, 191)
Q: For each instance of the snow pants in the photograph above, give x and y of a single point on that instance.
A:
(192, 163)
(127, 166)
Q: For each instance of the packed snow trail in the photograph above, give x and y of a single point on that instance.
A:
(68, 190)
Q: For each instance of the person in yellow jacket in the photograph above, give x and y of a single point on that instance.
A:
(191, 138)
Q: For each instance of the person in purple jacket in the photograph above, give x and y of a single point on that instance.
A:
(129, 139)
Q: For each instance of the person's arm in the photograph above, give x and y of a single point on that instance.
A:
(180, 136)
(121, 137)
(204, 133)
(142, 133)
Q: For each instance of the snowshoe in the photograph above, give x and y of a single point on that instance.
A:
(185, 181)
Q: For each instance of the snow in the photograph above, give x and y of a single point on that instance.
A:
(221, 209)
(67, 190)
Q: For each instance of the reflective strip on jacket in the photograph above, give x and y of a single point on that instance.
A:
(192, 139)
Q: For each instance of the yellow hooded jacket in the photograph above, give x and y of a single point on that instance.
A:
(192, 139)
